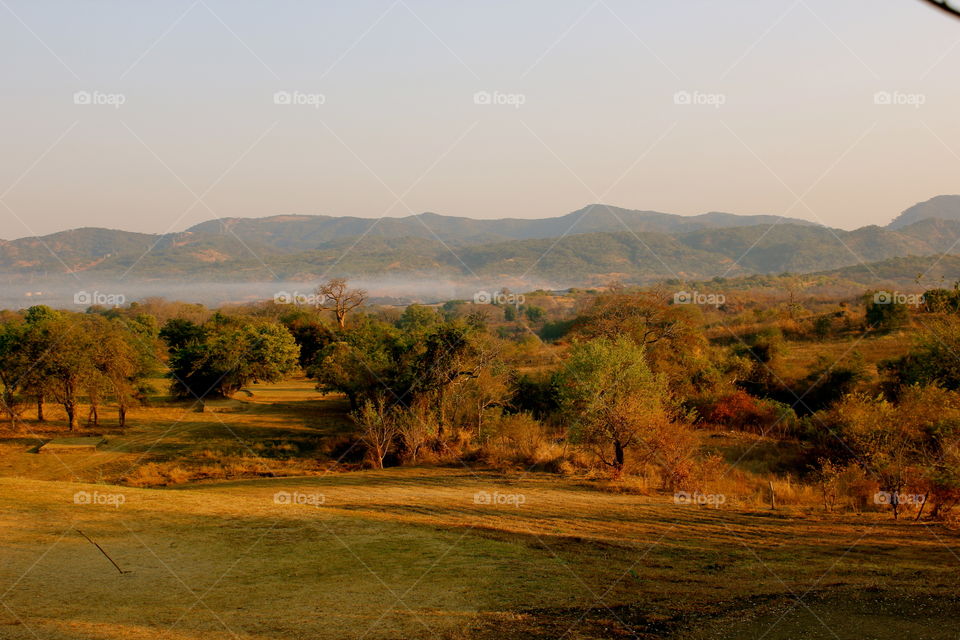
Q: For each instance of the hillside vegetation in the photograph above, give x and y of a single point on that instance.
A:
(621, 462)
(590, 246)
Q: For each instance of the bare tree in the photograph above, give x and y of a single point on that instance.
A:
(340, 299)
(378, 428)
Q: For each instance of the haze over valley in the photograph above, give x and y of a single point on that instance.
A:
(432, 257)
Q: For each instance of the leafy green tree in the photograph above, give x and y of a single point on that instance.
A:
(823, 326)
(829, 381)
(534, 313)
(231, 353)
(423, 366)
(37, 346)
(180, 332)
(418, 318)
(611, 400)
(934, 359)
(450, 353)
(14, 368)
(71, 362)
(884, 312)
(941, 300)
(310, 333)
(124, 357)
(367, 359)
(762, 352)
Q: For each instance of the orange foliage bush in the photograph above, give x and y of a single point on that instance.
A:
(739, 410)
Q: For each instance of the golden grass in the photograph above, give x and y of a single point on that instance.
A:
(279, 430)
(801, 357)
(215, 560)
(428, 552)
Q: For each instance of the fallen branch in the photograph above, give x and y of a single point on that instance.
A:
(942, 4)
(103, 552)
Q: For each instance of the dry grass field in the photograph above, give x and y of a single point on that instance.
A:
(219, 537)
(409, 553)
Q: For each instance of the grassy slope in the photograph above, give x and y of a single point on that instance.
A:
(407, 553)
(800, 357)
(279, 429)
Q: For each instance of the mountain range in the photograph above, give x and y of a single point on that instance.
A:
(592, 245)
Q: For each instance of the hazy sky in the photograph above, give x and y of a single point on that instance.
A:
(782, 114)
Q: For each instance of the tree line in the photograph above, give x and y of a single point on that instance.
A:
(48, 355)
(621, 382)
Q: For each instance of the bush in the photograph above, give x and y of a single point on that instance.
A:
(884, 313)
(521, 440)
(741, 411)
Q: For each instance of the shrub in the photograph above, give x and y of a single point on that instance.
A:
(741, 411)
(884, 314)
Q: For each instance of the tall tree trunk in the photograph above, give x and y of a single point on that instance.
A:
(618, 454)
(122, 414)
(11, 413)
(922, 505)
(8, 401)
(441, 413)
(71, 409)
(479, 417)
(40, 417)
(380, 454)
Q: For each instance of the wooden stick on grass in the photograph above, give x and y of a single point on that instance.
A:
(102, 551)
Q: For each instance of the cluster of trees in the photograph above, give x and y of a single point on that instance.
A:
(220, 356)
(416, 378)
(910, 448)
(67, 357)
(428, 379)
(890, 433)
(885, 311)
(624, 380)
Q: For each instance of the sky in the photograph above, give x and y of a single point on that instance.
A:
(153, 117)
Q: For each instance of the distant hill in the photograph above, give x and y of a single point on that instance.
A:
(74, 250)
(301, 233)
(942, 207)
(593, 245)
(910, 274)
